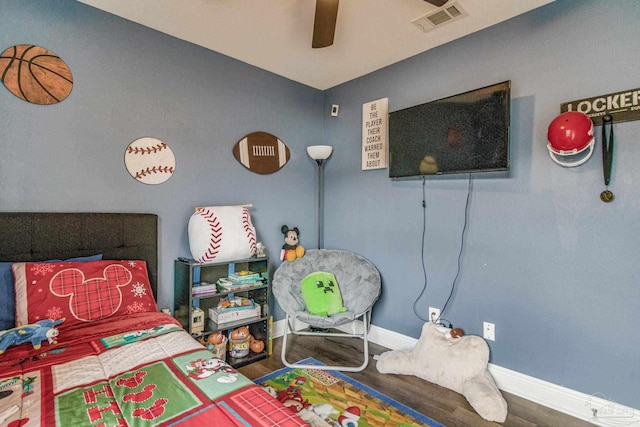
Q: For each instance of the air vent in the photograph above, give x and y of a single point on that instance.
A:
(442, 16)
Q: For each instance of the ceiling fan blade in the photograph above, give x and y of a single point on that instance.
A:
(324, 25)
(437, 3)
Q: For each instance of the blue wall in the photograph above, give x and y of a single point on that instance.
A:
(553, 267)
(130, 82)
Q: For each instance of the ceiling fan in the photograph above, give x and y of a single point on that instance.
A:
(324, 25)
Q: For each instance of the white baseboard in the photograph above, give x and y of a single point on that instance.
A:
(562, 399)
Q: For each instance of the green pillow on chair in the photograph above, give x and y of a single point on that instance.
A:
(321, 294)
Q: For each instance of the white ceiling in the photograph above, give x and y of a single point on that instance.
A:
(275, 35)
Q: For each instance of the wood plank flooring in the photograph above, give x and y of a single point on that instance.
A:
(439, 403)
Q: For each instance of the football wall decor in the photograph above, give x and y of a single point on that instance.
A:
(35, 74)
(261, 152)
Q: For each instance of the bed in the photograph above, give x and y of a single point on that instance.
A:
(98, 352)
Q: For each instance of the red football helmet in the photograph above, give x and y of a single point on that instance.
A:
(571, 139)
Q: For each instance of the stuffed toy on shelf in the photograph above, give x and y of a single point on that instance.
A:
(291, 250)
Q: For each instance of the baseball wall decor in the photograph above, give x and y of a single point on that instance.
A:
(261, 152)
(221, 233)
(35, 74)
(149, 160)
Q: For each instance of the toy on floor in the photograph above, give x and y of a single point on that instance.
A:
(34, 333)
(459, 364)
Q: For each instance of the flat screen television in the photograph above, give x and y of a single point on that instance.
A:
(463, 133)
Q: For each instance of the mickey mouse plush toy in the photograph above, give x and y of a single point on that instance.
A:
(291, 250)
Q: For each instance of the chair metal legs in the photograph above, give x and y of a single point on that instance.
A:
(366, 320)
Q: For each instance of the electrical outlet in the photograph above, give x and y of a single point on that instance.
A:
(434, 314)
(489, 331)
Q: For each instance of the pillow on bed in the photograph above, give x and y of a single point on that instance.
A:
(81, 292)
(7, 293)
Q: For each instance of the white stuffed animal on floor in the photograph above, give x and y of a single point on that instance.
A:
(459, 364)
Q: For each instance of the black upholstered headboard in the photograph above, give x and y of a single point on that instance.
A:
(41, 236)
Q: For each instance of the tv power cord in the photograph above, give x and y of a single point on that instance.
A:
(460, 252)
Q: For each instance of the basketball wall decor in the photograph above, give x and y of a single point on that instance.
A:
(149, 160)
(261, 152)
(35, 74)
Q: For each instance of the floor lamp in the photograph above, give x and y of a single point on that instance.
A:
(320, 153)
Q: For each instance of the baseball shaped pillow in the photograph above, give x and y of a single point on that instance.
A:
(221, 234)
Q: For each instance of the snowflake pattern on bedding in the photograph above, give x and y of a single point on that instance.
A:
(54, 313)
(41, 269)
(139, 290)
(136, 307)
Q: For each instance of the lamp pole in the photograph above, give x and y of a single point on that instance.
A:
(320, 153)
(320, 203)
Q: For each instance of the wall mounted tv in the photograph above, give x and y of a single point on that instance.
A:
(468, 132)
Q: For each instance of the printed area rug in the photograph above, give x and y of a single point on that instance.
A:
(330, 398)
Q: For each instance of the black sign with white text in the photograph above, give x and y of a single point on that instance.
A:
(622, 106)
